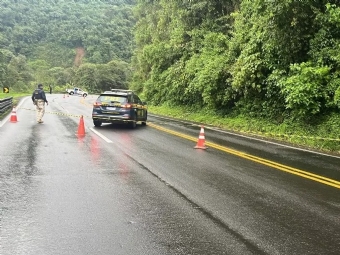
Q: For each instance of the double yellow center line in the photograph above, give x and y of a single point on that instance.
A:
(288, 169)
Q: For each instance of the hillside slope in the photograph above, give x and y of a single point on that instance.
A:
(52, 30)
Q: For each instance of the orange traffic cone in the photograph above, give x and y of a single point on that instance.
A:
(14, 115)
(81, 127)
(201, 140)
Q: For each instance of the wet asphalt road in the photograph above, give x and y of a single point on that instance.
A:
(147, 191)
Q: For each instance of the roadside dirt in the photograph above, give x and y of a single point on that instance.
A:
(80, 53)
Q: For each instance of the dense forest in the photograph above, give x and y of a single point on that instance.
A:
(275, 59)
(86, 43)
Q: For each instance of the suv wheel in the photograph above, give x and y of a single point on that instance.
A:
(97, 123)
(133, 123)
(144, 121)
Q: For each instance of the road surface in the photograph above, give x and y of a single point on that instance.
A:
(148, 191)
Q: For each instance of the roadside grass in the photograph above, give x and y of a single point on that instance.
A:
(323, 136)
(14, 95)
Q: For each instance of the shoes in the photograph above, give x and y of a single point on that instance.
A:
(40, 121)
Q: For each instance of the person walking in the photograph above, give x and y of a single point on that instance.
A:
(50, 89)
(39, 100)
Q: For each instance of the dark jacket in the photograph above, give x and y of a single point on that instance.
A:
(39, 94)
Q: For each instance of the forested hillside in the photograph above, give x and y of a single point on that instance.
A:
(88, 43)
(270, 58)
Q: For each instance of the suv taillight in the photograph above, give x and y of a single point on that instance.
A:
(127, 106)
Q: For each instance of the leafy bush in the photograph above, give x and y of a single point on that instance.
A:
(305, 89)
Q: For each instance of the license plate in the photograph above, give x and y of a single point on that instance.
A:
(110, 108)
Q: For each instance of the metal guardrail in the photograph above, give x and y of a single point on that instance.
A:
(6, 104)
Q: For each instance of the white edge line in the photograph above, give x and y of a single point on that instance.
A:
(101, 136)
(278, 144)
(252, 138)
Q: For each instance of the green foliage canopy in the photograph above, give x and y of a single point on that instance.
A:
(47, 34)
(267, 58)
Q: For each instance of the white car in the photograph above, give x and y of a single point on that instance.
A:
(77, 91)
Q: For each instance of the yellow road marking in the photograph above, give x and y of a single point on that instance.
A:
(288, 169)
(82, 101)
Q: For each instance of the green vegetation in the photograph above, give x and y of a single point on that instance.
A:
(14, 95)
(273, 59)
(274, 64)
(321, 135)
(60, 42)
(259, 66)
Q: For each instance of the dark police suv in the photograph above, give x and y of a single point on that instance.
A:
(119, 106)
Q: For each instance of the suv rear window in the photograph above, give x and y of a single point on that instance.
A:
(110, 99)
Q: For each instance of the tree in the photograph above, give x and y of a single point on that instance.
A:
(19, 75)
(86, 77)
